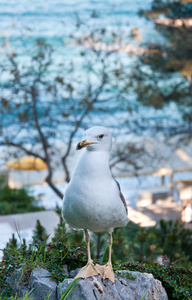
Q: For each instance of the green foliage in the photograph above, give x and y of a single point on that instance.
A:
(39, 234)
(144, 295)
(73, 238)
(15, 201)
(164, 73)
(144, 246)
(130, 243)
(26, 297)
(136, 243)
(174, 239)
(76, 238)
(99, 246)
(60, 231)
(11, 245)
(51, 256)
(127, 275)
(2, 181)
(171, 9)
(122, 238)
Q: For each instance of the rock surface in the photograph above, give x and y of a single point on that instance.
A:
(124, 288)
(42, 285)
(93, 288)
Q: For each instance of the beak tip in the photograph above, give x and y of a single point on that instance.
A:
(83, 144)
(78, 147)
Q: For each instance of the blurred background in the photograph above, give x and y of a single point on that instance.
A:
(66, 66)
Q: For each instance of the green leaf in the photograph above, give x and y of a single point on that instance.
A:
(128, 275)
(144, 295)
(69, 289)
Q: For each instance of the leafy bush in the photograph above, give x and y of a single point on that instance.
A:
(14, 201)
(52, 257)
(174, 239)
(26, 297)
(136, 243)
(39, 233)
(129, 242)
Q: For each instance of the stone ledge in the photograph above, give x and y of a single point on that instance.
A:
(93, 288)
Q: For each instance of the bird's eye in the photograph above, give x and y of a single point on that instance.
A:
(101, 136)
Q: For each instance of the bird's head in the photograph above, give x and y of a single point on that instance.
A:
(98, 138)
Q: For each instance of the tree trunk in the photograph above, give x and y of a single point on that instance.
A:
(67, 174)
(50, 183)
(53, 187)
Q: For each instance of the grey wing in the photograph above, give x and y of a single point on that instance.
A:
(121, 195)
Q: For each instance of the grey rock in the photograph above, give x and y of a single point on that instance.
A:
(73, 273)
(42, 285)
(94, 288)
(85, 289)
(145, 282)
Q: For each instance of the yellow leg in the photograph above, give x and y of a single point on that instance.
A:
(89, 270)
(110, 242)
(107, 270)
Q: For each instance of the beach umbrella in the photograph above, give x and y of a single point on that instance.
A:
(27, 163)
(26, 170)
(185, 181)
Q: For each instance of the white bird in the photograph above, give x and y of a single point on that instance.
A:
(93, 200)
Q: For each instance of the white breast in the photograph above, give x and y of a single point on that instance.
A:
(92, 198)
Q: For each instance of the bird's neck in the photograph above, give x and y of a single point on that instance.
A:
(94, 163)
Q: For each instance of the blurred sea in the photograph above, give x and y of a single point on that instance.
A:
(22, 22)
(52, 19)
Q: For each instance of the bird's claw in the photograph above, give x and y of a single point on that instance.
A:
(106, 271)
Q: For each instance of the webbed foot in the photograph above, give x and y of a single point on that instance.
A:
(87, 271)
(106, 271)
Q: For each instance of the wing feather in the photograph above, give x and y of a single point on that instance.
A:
(121, 195)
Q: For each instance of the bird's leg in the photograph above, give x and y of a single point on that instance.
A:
(88, 247)
(108, 269)
(110, 242)
(89, 270)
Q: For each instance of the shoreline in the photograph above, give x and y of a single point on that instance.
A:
(175, 22)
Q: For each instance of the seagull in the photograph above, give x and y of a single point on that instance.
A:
(93, 200)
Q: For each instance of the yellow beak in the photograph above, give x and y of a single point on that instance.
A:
(83, 144)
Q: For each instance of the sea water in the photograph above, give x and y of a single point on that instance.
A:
(51, 19)
(22, 22)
